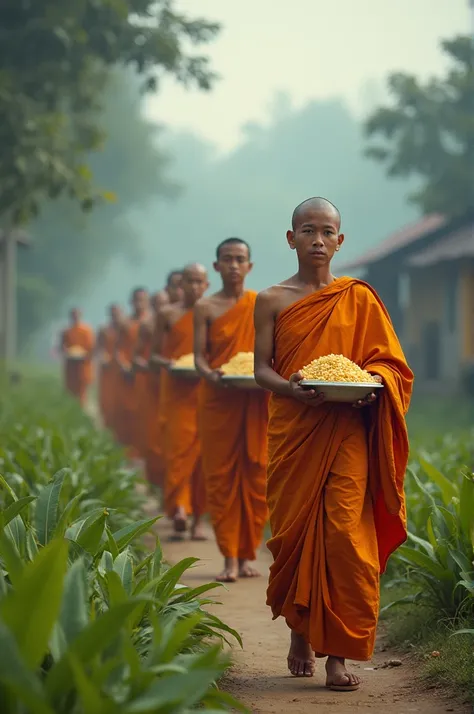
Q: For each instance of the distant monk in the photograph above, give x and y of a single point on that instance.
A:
(107, 339)
(184, 488)
(127, 422)
(173, 291)
(154, 458)
(77, 347)
(335, 515)
(233, 422)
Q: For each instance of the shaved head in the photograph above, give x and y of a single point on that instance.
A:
(316, 203)
(193, 268)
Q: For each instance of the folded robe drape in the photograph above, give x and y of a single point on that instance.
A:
(335, 474)
(127, 406)
(232, 427)
(108, 376)
(184, 482)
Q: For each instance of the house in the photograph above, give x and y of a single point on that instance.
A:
(424, 273)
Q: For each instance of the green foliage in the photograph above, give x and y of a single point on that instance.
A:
(71, 249)
(50, 95)
(439, 557)
(429, 133)
(89, 622)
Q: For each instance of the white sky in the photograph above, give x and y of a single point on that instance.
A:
(310, 48)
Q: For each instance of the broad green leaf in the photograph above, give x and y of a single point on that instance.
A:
(11, 558)
(125, 535)
(466, 505)
(90, 696)
(15, 508)
(6, 486)
(16, 531)
(69, 514)
(117, 592)
(106, 563)
(31, 609)
(74, 615)
(416, 557)
(448, 489)
(90, 535)
(90, 642)
(46, 513)
(25, 685)
(123, 566)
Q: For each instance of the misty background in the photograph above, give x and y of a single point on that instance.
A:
(283, 122)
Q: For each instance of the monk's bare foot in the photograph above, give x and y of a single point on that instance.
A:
(230, 572)
(197, 532)
(246, 570)
(338, 678)
(180, 520)
(301, 661)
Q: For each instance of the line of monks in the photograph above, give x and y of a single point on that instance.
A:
(328, 477)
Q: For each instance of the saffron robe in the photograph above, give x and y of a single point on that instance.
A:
(232, 426)
(335, 473)
(184, 482)
(126, 423)
(78, 373)
(108, 376)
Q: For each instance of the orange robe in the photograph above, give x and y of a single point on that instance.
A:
(108, 376)
(127, 407)
(184, 482)
(144, 397)
(78, 374)
(233, 425)
(154, 460)
(335, 473)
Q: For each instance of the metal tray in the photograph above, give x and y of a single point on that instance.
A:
(342, 391)
(241, 381)
(184, 372)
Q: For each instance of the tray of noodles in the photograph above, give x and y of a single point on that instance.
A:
(339, 379)
(184, 367)
(238, 371)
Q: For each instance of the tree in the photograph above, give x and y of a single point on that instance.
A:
(71, 249)
(429, 133)
(54, 62)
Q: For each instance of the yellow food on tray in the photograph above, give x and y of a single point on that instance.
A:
(76, 352)
(241, 365)
(336, 368)
(186, 361)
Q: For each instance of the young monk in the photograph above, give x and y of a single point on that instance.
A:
(127, 393)
(154, 458)
(335, 515)
(232, 421)
(78, 371)
(184, 488)
(107, 375)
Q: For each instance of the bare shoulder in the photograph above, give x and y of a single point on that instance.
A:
(205, 304)
(278, 296)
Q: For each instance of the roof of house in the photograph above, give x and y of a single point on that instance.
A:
(453, 246)
(396, 241)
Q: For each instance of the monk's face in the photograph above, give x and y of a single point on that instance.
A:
(140, 302)
(115, 314)
(316, 236)
(233, 263)
(175, 288)
(195, 284)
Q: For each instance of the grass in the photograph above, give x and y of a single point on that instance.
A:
(431, 416)
(419, 631)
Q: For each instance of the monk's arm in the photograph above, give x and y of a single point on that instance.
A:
(201, 327)
(264, 319)
(161, 327)
(265, 375)
(119, 356)
(139, 363)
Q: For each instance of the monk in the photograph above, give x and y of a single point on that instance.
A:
(184, 489)
(127, 393)
(173, 290)
(232, 421)
(335, 514)
(153, 427)
(77, 348)
(106, 344)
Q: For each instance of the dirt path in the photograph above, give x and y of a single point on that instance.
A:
(259, 677)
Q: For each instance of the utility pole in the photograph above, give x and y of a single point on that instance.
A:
(10, 239)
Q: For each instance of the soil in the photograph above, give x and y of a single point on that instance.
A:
(259, 677)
